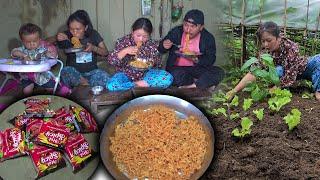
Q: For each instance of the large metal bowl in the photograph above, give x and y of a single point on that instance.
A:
(182, 108)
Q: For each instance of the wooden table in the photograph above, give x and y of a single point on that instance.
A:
(84, 97)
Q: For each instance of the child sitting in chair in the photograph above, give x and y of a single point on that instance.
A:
(33, 49)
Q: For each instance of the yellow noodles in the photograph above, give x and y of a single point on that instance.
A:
(76, 42)
(186, 47)
(139, 64)
(156, 144)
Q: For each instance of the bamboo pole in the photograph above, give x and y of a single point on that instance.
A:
(285, 18)
(243, 42)
(317, 25)
(260, 10)
(232, 31)
(316, 34)
(306, 29)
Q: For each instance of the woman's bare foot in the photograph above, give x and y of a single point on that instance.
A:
(84, 81)
(141, 83)
(28, 90)
(189, 86)
(317, 94)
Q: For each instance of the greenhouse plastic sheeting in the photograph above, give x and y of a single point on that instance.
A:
(272, 10)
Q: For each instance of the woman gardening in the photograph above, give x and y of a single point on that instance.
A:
(135, 45)
(290, 65)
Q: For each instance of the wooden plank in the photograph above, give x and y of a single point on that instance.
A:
(117, 28)
(103, 19)
(131, 11)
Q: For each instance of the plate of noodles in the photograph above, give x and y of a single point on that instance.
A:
(77, 46)
(187, 54)
(140, 64)
(157, 137)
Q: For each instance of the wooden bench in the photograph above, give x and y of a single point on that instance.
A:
(84, 97)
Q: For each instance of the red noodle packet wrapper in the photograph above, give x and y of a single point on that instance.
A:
(33, 128)
(20, 121)
(78, 151)
(52, 135)
(13, 143)
(38, 107)
(84, 120)
(46, 160)
(64, 117)
(1, 145)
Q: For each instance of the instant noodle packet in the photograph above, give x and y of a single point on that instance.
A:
(84, 120)
(78, 151)
(38, 107)
(46, 160)
(64, 117)
(13, 143)
(33, 128)
(20, 121)
(52, 135)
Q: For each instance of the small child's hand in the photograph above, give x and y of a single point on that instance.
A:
(26, 58)
(50, 54)
(62, 37)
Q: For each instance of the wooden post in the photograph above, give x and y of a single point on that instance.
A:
(261, 2)
(317, 25)
(243, 40)
(306, 29)
(316, 34)
(232, 31)
(285, 18)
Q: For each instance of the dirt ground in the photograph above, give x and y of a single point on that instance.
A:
(271, 151)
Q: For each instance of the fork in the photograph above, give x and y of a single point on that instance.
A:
(178, 46)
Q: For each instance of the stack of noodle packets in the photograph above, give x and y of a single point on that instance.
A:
(46, 136)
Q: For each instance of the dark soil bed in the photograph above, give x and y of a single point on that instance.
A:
(270, 151)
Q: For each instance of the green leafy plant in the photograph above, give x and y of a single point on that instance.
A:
(265, 76)
(235, 101)
(293, 119)
(246, 124)
(279, 98)
(234, 116)
(259, 113)
(247, 104)
(307, 95)
(219, 97)
(218, 111)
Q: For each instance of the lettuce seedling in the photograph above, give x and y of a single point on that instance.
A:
(235, 101)
(247, 104)
(219, 111)
(220, 97)
(279, 98)
(259, 113)
(246, 124)
(234, 116)
(293, 119)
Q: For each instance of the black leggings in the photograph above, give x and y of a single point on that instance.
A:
(203, 77)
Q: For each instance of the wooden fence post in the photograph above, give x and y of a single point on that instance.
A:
(285, 18)
(243, 39)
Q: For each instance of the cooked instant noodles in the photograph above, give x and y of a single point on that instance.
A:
(157, 144)
(76, 42)
(137, 63)
(187, 40)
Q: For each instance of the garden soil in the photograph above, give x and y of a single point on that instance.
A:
(270, 151)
